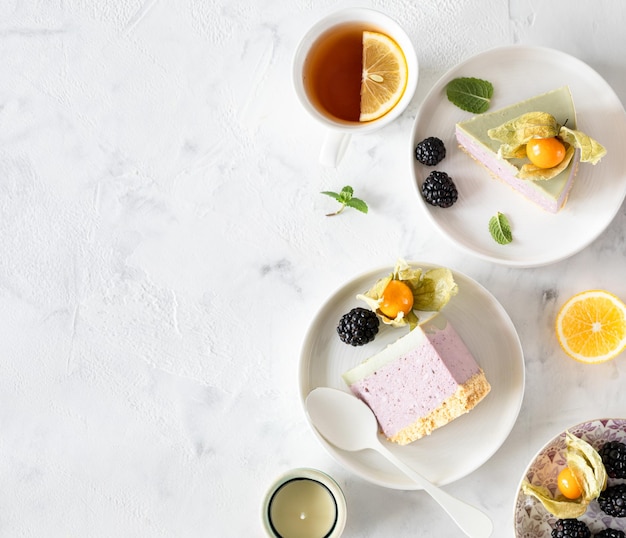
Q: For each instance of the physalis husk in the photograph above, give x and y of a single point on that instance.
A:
(588, 469)
(591, 151)
(431, 290)
(516, 133)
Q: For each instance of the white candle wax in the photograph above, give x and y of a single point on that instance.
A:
(303, 508)
(304, 503)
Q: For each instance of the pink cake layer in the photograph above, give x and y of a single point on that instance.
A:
(505, 172)
(426, 379)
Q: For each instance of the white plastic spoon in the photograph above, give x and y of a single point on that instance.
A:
(346, 422)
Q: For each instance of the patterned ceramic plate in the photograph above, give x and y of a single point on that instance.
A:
(532, 520)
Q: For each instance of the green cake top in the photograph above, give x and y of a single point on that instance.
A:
(557, 102)
(509, 131)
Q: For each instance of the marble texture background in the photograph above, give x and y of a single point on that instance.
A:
(164, 247)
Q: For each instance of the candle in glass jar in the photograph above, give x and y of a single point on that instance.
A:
(304, 503)
(303, 508)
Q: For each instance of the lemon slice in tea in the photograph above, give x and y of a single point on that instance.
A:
(385, 75)
(591, 326)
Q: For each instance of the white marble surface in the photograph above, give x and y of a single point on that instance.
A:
(164, 247)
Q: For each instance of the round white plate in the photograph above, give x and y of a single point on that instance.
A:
(457, 449)
(532, 520)
(539, 237)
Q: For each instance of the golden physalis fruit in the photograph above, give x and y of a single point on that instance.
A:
(396, 298)
(385, 75)
(545, 152)
(534, 136)
(587, 471)
(591, 326)
(568, 485)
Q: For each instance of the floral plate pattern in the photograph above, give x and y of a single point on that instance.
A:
(532, 520)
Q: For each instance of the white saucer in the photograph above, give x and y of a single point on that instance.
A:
(539, 237)
(458, 448)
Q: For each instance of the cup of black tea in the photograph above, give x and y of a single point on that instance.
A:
(354, 71)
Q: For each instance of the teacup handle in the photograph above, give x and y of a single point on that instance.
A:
(334, 148)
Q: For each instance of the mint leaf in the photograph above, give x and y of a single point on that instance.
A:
(470, 94)
(500, 229)
(357, 203)
(346, 199)
(346, 194)
(334, 195)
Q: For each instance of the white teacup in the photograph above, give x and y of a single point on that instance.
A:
(340, 131)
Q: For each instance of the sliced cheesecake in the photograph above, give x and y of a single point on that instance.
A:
(420, 382)
(550, 194)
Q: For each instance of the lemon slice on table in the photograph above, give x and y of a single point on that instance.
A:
(384, 77)
(591, 326)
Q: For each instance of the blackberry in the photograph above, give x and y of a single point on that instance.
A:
(570, 528)
(430, 151)
(610, 533)
(358, 327)
(612, 500)
(613, 456)
(438, 189)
